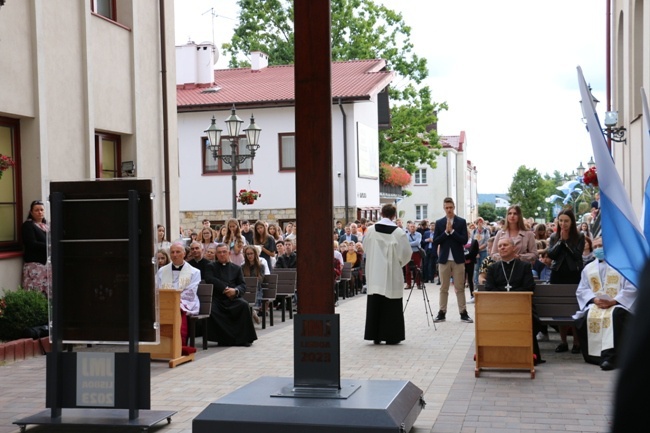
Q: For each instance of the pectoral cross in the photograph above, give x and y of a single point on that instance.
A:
(508, 287)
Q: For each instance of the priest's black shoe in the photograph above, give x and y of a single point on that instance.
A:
(607, 365)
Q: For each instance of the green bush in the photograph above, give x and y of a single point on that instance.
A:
(19, 310)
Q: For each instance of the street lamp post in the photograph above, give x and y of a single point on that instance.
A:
(233, 123)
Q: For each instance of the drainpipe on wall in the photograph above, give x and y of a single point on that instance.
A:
(163, 76)
(608, 63)
(345, 160)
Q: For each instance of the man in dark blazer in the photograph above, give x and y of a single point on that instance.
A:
(450, 235)
(348, 236)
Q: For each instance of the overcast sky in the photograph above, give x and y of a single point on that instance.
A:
(507, 69)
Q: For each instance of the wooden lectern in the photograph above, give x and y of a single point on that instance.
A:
(504, 331)
(170, 347)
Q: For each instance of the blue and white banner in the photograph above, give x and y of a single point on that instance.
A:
(645, 220)
(625, 246)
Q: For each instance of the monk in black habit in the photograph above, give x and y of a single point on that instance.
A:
(230, 323)
(513, 275)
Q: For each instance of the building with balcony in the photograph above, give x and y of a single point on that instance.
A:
(83, 89)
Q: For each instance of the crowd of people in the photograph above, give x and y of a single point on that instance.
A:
(448, 251)
(223, 256)
(513, 254)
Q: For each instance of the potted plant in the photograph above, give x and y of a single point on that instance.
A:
(591, 177)
(5, 164)
(248, 196)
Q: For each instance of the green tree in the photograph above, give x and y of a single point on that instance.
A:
(529, 190)
(487, 211)
(361, 29)
(408, 143)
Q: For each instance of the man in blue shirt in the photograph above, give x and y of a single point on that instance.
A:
(414, 238)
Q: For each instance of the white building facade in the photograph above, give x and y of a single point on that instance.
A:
(454, 176)
(630, 70)
(266, 92)
(81, 93)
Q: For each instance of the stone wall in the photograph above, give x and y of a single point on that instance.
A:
(192, 219)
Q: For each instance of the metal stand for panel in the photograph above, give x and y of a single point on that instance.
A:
(133, 416)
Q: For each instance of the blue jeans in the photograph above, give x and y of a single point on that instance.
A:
(479, 259)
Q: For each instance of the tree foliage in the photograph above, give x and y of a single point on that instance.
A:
(408, 143)
(529, 190)
(361, 29)
(487, 211)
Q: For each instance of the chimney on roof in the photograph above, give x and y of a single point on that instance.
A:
(195, 63)
(259, 60)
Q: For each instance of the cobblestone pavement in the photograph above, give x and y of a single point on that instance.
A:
(566, 395)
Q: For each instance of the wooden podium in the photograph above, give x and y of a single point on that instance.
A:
(504, 331)
(170, 347)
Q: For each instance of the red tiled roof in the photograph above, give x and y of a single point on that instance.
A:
(454, 141)
(351, 80)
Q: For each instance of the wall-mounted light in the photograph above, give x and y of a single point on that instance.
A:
(616, 134)
(613, 132)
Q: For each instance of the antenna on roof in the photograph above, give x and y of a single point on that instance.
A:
(211, 10)
(215, 15)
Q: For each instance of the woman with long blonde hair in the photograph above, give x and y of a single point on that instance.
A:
(262, 239)
(207, 238)
(523, 239)
(255, 266)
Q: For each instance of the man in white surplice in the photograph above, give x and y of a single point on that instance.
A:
(387, 251)
(180, 275)
(606, 301)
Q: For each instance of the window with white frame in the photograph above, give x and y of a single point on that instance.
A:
(420, 176)
(421, 212)
(212, 165)
(287, 151)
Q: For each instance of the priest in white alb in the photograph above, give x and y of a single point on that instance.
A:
(180, 275)
(606, 301)
(387, 252)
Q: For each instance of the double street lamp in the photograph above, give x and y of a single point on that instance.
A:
(581, 170)
(234, 159)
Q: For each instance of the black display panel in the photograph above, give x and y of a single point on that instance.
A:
(90, 260)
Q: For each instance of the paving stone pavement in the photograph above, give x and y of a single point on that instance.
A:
(566, 395)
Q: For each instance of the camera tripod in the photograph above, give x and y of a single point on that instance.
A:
(418, 280)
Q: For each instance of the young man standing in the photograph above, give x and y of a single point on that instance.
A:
(450, 234)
